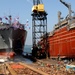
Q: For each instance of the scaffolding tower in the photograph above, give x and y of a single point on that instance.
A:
(39, 25)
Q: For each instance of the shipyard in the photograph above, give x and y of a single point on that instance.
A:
(31, 47)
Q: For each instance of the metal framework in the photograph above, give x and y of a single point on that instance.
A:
(39, 27)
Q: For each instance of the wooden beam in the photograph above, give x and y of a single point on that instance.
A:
(11, 70)
(34, 69)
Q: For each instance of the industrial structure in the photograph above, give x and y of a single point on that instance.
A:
(39, 27)
(62, 38)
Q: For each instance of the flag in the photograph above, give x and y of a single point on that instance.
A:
(27, 22)
(16, 21)
(17, 18)
(5, 17)
(10, 17)
(0, 19)
(29, 27)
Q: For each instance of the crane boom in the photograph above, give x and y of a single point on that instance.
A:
(36, 2)
(69, 8)
(66, 4)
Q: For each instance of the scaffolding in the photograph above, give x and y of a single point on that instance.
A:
(39, 24)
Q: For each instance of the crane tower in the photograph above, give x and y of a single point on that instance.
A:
(39, 25)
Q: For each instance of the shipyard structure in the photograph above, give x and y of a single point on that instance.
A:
(58, 43)
(61, 41)
(12, 37)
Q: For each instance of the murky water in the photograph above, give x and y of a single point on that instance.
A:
(20, 58)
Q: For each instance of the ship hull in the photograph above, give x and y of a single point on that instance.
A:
(19, 38)
(5, 39)
(12, 39)
(62, 43)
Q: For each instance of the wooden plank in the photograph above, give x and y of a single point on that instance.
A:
(11, 70)
(34, 69)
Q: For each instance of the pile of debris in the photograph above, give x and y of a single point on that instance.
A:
(4, 70)
(51, 68)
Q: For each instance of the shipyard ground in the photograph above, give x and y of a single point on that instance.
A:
(22, 66)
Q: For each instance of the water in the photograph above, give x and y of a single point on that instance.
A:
(27, 49)
(20, 58)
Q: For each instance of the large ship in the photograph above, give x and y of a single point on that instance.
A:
(61, 41)
(12, 37)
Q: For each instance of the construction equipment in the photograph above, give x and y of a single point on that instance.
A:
(38, 6)
(39, 27)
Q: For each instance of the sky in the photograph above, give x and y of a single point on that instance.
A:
(23, 9)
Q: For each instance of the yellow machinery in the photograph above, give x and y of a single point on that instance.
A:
(38, 7)
(34, 8)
